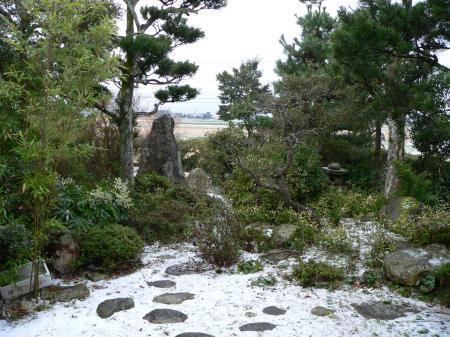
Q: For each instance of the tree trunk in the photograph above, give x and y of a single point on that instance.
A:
(395, 154)
(125, 105)
(378, 157)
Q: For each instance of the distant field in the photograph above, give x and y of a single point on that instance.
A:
(186, 128)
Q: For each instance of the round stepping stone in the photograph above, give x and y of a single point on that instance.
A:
(164, 316)
(178, 270)
(175, 298)
(162, 284)
(274, 311)
(262, 326)
(110, 307)
(382, 310)
(321, 311)
(194, 334)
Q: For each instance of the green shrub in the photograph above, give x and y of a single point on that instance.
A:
(150, 183)
(432, 225)
(79, 207)
(109, 246)
(264, 281)
(15, 245)
(305, 235)
(339, 202)
(168, 215)
(416, 185)
(192, 151)
(219, 240)
(382, 245)
(318, 274)
(249, 267)
(336, 241)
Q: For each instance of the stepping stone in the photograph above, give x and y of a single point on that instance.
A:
(175, 298)
(322, 311)
(262, 326)
(65, 293)
(277, 255)
(274, 311)
(194, 334)
(188, 268)
(382, 310)
(162, 284)
(109, 307)
(164, 316)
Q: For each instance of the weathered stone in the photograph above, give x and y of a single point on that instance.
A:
(162, 284)
(198, 180)
(175, 298)
(263, 326)
(63, 251)
(159, 151)
(95, 276)
(402, 207)
(194, 334)
(65, 293)
(284, 233)
(277, 255)
(274, 311)
(409, 266)
(110, 307)
(164, 316)
(187, 269)
(321, 311)
(382, 310)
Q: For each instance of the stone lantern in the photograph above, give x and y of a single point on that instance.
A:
(336, 173)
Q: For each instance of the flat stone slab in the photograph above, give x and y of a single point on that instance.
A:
(274, 311)
(110, 307)
(277, 255)
(382, 311)
(162, 284)
(187, 269)
(194, 334)
(262, 326)
(65, 293)
(175, 298)
(165, 316)
(321, 311)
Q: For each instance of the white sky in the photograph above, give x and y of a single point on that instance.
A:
(243, 30)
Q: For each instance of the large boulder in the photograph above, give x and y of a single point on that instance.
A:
(409, 266)
(198, 180)
(284, 233)
(159, 151)
(63, 251)
(401, 208)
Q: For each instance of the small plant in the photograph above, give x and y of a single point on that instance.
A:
(110, 246)
(151, 182)
(249, 267)
(305, 235)
(264, 281)
(318, 274)
(372, 278)
(219, 240)
(382, 245)
(337, 241)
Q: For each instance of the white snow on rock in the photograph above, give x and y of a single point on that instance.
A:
(223, 302)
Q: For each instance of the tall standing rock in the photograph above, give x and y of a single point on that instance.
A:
(159, 152)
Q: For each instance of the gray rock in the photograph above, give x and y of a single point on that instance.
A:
(382, 310)
(194, 334)
(277, 255)
(96, 276)
(409, 266)
(159, 151)
(274, 311)
(187, 269)
(198, 180)
(63, 250)
(164, 316)
(175, 298)
(109, 307)
(162, 284)
(401, 207)
(65, 293)
(262, 326)
(284, 233)
(321, 311)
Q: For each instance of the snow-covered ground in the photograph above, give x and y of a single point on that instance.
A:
(223, 302)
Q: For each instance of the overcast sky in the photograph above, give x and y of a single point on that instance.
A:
(243, 30)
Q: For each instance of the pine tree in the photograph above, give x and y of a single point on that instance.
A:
(152, 33)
